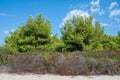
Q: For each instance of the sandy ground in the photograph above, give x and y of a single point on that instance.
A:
(5, 76)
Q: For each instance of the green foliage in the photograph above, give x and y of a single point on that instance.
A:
(80, 34)
(4, 56)
(118, 33)
(109, 42)
(118, 39)
(56, 44)
(3, 59)
(77, 33)
(34, 35)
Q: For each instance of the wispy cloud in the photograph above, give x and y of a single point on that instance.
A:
(117, 19)
(112, 5)
(102, 12)
(95, 6)
(104, 24)
(79, 6)
(4, 14)
(114, 12)
(73, 13)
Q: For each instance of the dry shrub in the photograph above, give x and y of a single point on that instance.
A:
(68, 66)
(76, 63)
(27, 63)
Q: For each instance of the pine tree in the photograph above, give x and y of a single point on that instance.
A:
(34, 35)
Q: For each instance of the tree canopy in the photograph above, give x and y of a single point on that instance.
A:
(34, 35)
(80, 33)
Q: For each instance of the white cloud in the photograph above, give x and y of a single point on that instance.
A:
(8, 31)
(12, 30)
(74, 13)
(95, 3)
(95, 6)
(117, 19)
(104, 24)
(114, 12)
(94, 9)
(112, 5)
(102, 12)
(94, 21)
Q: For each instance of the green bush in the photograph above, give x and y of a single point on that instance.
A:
(4, 56)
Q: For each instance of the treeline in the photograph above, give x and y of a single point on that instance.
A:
(32, 49)
(78, 33)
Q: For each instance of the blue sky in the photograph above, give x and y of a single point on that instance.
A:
(14, 13)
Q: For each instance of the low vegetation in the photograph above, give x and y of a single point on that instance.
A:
(74, 63)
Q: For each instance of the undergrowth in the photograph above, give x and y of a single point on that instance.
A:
(72, 63)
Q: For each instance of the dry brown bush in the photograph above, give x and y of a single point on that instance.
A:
(76, 63)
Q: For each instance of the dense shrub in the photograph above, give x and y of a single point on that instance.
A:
(75, 63)
(28, 63)
(4, 56)
(3, 59)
